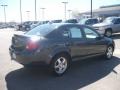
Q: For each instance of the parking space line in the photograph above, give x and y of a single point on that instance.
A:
(117, 51)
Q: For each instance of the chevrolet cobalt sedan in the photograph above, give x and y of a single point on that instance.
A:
(58, 44)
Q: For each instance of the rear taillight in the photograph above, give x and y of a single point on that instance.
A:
(31, 45)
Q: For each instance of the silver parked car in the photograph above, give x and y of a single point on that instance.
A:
(109, 26)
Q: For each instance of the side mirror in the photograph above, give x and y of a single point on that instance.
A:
(100, 37)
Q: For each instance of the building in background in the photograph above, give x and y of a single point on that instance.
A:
(103, 12)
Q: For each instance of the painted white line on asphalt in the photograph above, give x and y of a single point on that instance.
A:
(117, 51)
(117, 69)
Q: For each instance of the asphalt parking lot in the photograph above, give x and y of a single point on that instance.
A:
(95, 74)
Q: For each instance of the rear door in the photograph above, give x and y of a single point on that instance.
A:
(77, 43)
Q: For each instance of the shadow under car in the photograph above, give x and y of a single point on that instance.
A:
(81, 74)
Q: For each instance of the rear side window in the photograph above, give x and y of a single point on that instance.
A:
(41, 30)
(75, 32)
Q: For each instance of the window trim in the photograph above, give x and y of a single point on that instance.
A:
(77, 26)
(83, 28)
(76, 37)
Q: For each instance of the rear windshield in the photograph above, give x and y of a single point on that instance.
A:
(41, 30)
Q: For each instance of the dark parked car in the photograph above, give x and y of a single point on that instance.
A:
(58, 44)
(56, 21)
(25, 26)
(89, 21)
(70, 21)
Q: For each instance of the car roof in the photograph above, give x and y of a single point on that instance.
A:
(58, 25)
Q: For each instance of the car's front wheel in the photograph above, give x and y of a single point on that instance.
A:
(60, 64)
(109, 52)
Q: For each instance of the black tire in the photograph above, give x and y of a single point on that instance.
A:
(54, 63)
(28, 67)
(108, 33)
(109, 52)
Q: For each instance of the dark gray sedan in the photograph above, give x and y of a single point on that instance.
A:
(56, 45)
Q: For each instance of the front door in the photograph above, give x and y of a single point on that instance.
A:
(95, 45)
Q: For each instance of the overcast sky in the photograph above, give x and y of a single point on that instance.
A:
(54, 8)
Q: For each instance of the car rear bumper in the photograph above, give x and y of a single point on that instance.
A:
(28, 58)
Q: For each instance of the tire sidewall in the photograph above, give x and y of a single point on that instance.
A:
(55, 59)
(107, 52)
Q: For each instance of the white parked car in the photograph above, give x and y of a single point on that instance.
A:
(109, 26)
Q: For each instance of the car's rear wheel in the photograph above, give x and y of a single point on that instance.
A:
(108, 33)
(109, 52)
(60, 64)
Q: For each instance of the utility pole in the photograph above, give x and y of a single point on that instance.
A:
(43, 13)
(91, 9)
(4, 6)
(28, 15)
(65, 3)
(20, 12)
(69, 12)
(35, 11)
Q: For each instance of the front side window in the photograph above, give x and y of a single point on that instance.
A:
(75, 32)
(90, 34)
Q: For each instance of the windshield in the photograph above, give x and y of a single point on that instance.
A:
(41, 30)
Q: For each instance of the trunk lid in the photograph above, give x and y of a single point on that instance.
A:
(19, 42)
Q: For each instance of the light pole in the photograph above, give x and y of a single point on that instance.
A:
(91, 9)
(4, 11)
(43, 13)
(65, 3)
(20, 12)
(28, 15)
(35, 11)
(69, 12)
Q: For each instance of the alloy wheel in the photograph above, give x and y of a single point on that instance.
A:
(60, 65)
(109, 52)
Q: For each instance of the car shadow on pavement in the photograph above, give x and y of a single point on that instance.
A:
(81, 74)
(116, 36)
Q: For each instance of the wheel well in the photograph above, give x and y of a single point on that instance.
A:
(111, 45)
(108, 29)
(65, 53)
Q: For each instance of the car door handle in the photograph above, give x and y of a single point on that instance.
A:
(67, 44)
